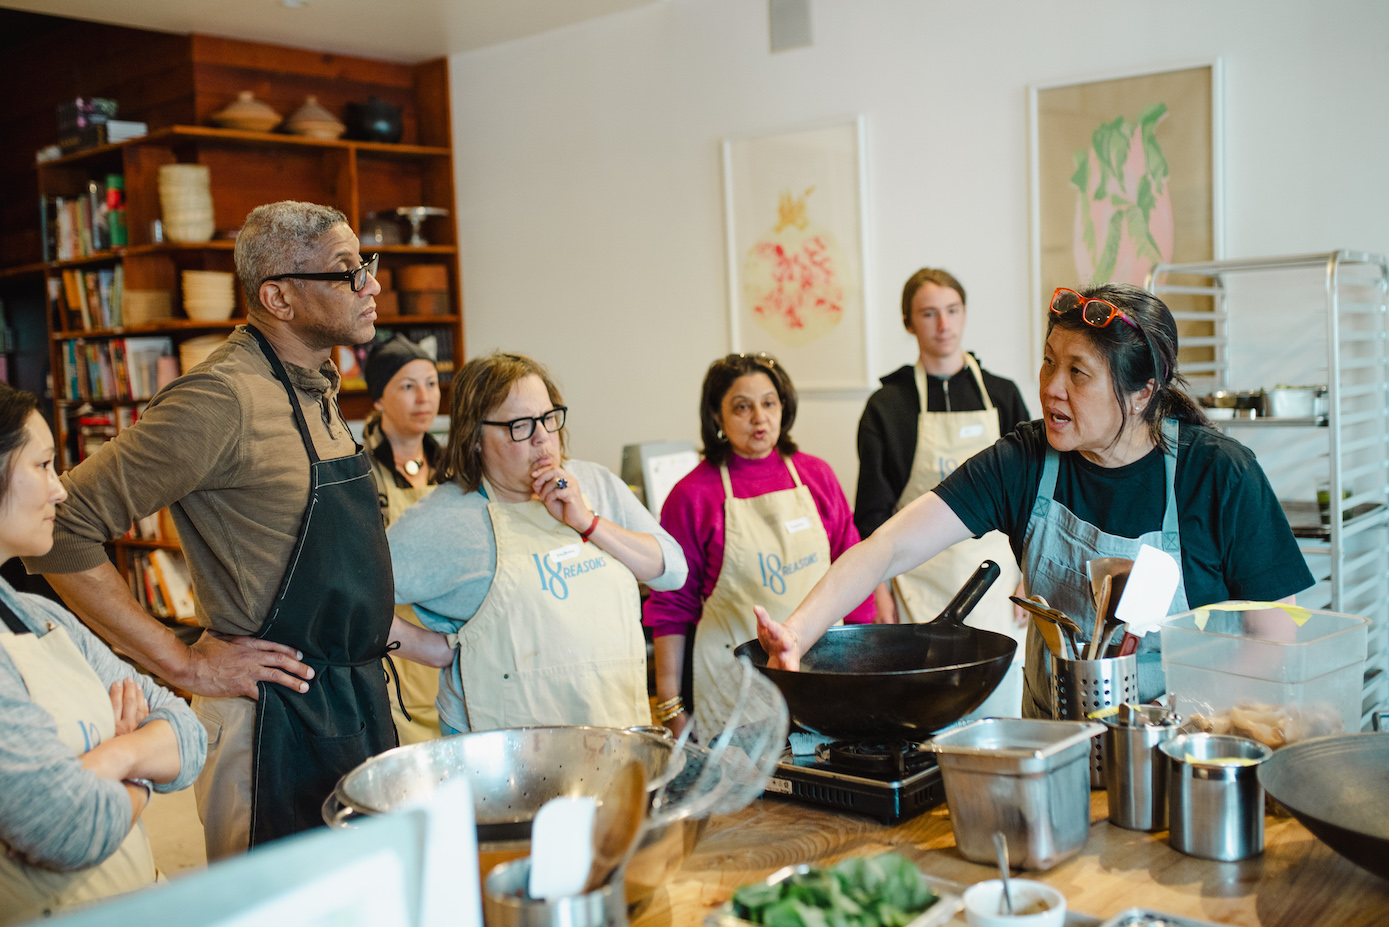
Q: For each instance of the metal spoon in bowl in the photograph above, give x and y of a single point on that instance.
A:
(1001, 845)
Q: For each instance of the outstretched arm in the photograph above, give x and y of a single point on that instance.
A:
(911, 537)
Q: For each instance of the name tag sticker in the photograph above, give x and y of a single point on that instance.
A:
(798, 524)
(971, 431)
(561, 554)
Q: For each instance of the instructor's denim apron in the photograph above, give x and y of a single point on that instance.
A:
(1054, 553)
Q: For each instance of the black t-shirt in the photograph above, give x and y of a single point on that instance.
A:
(1236, 543)
(887, 432)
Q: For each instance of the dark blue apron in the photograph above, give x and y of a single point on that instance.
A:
(335, 604)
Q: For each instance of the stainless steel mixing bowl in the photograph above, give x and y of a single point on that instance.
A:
(512, 772)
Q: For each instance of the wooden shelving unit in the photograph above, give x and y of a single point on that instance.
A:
(251, 168)
(196, 76)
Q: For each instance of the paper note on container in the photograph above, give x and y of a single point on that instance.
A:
(1148, 593)
(1297, 613)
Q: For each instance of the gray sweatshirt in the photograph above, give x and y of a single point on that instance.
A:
(443, 555)
(52, 811)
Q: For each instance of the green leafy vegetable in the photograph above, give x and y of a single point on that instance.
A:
(881, 891)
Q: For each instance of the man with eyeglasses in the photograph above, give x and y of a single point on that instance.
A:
(277, 516)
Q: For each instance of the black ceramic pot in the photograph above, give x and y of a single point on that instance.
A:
(374, 121)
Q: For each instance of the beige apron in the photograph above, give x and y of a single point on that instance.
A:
(63, 683)
(775, 549)
(943, 441)
(558, 638)
(419, 684)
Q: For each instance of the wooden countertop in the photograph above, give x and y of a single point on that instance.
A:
(1298, 881)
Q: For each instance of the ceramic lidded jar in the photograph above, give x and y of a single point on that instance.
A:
(248, 114)
(313, 121)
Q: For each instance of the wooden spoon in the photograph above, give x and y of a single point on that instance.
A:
(621, 810)
(1097, 639)
(1051, 634)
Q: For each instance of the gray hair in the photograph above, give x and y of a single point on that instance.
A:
(280, 238)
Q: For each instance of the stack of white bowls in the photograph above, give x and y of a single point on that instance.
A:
(209, 295)
(194, 351)
(185, 198)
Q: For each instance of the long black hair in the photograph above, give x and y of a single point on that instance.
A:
(720, 379)
(1136, 356)
(16, 405)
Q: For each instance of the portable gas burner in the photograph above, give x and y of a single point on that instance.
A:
(891, 781)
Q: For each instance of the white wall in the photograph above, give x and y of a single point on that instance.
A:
(590, 192)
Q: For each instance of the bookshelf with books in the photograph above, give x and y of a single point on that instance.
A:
(110, 349)
(111, 291)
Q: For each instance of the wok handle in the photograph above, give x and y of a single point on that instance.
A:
(970, 594)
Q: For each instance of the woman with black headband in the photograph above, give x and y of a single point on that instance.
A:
(1121, 457)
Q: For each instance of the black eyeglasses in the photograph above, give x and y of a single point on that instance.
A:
(523, 428)
(357, 278)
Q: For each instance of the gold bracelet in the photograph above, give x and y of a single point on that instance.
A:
(666, 711)
(668, 703)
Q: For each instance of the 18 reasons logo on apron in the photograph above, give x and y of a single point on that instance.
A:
(774, 572)
(554, 576)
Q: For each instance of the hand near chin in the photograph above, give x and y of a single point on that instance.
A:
(558, 490)
(782, 643)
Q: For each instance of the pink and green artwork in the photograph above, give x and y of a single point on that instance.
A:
(1126, 176)
(1123, 215)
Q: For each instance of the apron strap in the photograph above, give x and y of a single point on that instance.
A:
(278, 368)
(973, 366)
(796, 477)
(1171, 526)
(12, 621)
(1051, 465)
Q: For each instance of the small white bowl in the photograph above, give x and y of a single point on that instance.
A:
(984, 901)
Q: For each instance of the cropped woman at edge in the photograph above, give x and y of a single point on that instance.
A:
(83, 737)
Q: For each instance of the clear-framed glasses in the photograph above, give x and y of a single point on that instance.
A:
(523, 428)
(356, 277)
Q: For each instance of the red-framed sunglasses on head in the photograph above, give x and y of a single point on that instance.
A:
(1099, 313)
(1093, 311)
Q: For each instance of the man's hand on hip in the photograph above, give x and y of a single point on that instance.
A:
(225, 666)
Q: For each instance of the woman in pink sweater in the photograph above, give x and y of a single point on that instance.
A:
(759, 522)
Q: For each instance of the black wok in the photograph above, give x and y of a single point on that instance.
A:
(1337, 787)
(880, 681)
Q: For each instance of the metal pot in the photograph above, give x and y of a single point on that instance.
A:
(512, 772)
(895, 680)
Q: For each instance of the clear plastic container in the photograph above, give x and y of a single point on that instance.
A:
(1258, 674)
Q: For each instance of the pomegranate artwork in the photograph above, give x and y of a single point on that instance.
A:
(793, 276)
(1123, 219)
